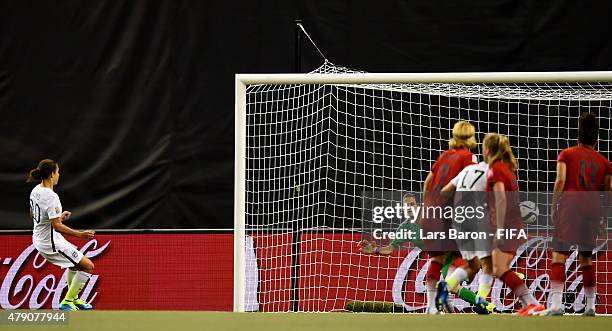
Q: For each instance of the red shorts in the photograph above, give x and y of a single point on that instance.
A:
(433, 243)
(575, 226)
(512, 236)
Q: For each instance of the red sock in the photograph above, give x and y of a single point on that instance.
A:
(433, 272)
(557, 272)
(518, 287)
(588, 276)
(459, 262)
(512, 280)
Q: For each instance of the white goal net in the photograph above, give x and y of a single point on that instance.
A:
(313, 158)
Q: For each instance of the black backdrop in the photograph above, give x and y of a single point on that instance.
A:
(135, 98)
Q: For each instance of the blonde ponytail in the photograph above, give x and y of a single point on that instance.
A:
(499, 149)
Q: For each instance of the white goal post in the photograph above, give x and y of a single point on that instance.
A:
(316, 198)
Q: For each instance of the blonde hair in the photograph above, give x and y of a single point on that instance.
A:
(499, 149)
(463, 135)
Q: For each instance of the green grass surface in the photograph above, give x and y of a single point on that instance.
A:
(166, 320)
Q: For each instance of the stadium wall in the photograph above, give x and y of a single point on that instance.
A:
(140, 93)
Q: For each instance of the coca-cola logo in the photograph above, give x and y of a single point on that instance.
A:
(531, 255)
(35, 294)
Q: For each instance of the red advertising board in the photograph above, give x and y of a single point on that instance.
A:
(332, 271)
(195, 272)
(132, 271)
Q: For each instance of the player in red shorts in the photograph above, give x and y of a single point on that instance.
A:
(582, 173)
(446, 167)
(505, 214)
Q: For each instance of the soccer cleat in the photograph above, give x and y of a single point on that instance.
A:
(523, 311)
(531, 309)
(68, 305)
(432, 311)
(82, 304)
(481, 307)
(491, 307)
(442, 302)
(554, 312)
(537, 309)
(589, 312)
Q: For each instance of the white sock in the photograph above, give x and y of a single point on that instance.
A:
(456, 278)
(70, 276)
(589, 293)
(431, 294)
(556, 295)
(524, 295)
(79, 281)
(485, 282)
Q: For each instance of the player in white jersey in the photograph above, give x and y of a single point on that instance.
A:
(48, 217)
(469, 187)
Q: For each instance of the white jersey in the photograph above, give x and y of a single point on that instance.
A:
(45, 205)
(470, 185)
(472, 178)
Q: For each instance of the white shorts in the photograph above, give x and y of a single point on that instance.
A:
(65, 255)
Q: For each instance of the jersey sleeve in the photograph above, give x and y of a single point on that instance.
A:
(495, 174)
(470, 159)
(436, 165)
(562, 156)
(54, 207)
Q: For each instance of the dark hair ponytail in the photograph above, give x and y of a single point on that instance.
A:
(588, 129)
(43, 171)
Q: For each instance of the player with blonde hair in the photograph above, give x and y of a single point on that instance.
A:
(505, 214)
(446, 167)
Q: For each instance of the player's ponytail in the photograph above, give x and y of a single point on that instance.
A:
(43, 171)
(463, 136)
(499, 149)
(588, 129)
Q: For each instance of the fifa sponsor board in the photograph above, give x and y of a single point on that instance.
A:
(332, 270)
(195, 272)
(132, 271)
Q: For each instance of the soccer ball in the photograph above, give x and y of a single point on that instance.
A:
(529, 212)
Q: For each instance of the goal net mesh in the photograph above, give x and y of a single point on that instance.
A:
(319, 157)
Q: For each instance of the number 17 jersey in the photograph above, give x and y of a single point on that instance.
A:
(472, 178)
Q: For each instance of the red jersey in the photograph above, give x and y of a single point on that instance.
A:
(449, 164)
(500, 172)
(579, 206)
(585, 169)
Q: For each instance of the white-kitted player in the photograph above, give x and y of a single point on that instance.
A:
(472, 181)
(48, 217)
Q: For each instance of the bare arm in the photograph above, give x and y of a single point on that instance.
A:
(499, 191)
(559, 186)
(63, 229)
(448, 190)
(426, 183)
(608, 200)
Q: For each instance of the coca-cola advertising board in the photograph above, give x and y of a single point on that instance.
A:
(194, 271)
(132, 271)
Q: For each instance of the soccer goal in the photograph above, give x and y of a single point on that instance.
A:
(314, 153)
